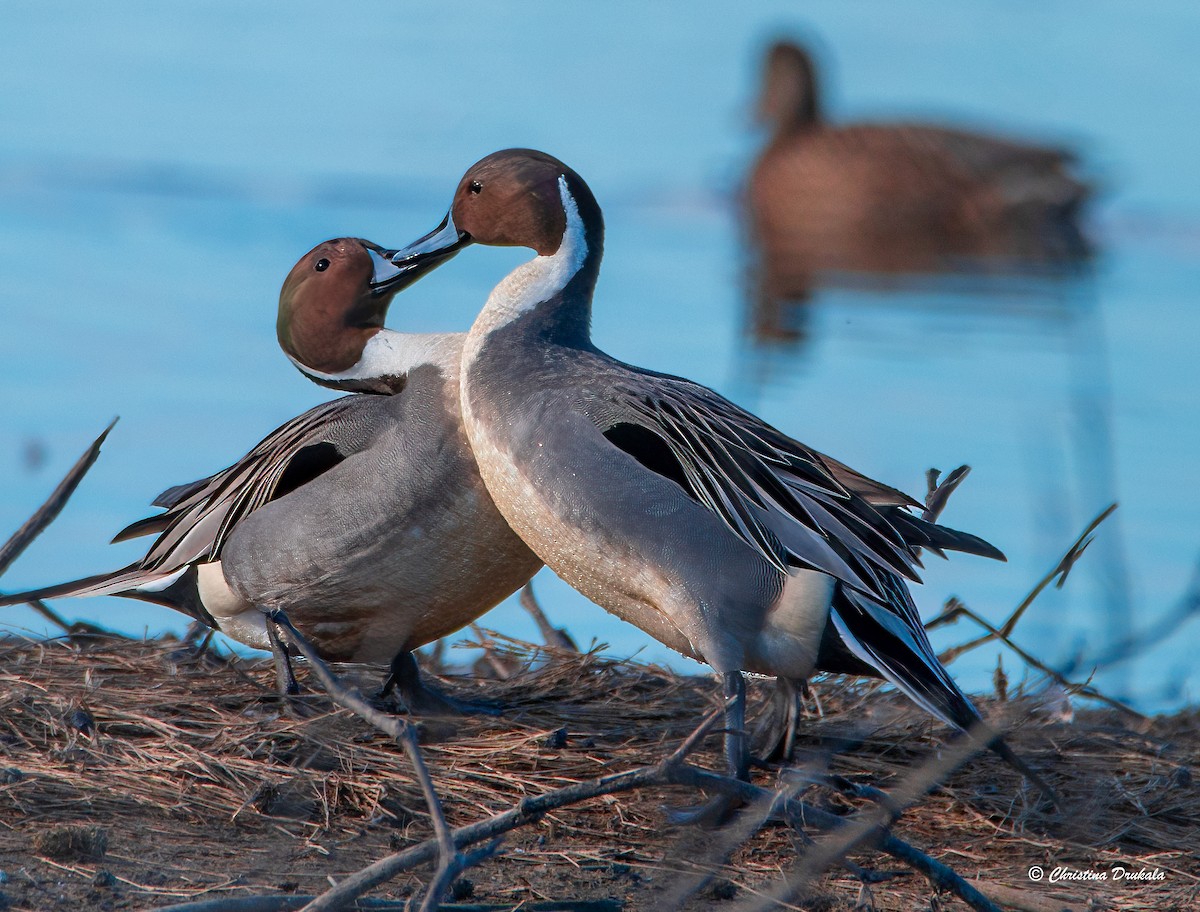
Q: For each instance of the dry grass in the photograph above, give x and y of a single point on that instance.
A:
(202, 784)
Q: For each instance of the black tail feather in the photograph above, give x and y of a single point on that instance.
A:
(937, 538)
(183, 595)
(100, 584)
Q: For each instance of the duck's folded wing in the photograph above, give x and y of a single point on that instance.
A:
(990, 155)
(780, 497)
(201, 514)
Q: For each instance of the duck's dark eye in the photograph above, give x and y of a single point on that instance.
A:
(322, 265)
(475, 187)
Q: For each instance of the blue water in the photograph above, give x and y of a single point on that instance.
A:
(163, 165)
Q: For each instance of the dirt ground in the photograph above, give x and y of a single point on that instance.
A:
(134, 776)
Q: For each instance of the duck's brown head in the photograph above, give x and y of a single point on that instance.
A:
(512, 198)
(333, 301)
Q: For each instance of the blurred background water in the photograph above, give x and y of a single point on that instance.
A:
(162, 166)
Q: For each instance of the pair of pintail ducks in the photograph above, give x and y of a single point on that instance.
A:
(381, 522)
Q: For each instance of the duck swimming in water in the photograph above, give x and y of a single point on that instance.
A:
(897, 197)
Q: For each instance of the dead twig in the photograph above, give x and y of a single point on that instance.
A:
(47, 512)
(956, 610)
(997, 633)
(451, 862)
(871, 825)
(37, 523)
(555, 637)
(71, 628)
(938, 495)
(1058, 576)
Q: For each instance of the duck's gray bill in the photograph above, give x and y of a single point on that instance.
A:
(395, 270)
(403, 267)
(387, 276)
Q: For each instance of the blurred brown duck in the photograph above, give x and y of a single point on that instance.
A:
(898, 197)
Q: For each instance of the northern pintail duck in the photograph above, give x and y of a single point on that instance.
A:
(364, 518)
(897, 197)
(657, 498)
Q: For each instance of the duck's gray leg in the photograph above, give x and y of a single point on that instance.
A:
(737, 758)
(285, 677)
(737, 749)
(404, 678)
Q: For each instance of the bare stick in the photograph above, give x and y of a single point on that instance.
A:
(450, 861)
(938, 495)
(994, 633)
(46, 513)
(672, 770)
(551, 635)
(1060, 572)
(732, 836)
(870, 824)
(72, 628)
(956, 610)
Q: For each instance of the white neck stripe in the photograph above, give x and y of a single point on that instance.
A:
(390, 354)
(541, 278)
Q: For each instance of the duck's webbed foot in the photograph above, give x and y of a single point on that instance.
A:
(774, 737)
(419, 698)
(717, 811)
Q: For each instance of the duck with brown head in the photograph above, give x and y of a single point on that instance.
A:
(824, 199)
(365, 518)
(657, 498)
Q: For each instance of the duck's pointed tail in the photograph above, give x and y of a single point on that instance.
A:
(112, 583)
(901, 652)
(177, 589)
(889, 641)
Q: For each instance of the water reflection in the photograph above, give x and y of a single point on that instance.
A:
(937, 237)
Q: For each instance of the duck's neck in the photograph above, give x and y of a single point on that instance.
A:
(387, 359)
(791, 100)
(550, 297)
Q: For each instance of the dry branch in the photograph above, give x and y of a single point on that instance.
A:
(47, 512)
(451, 862)
(955, 610)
